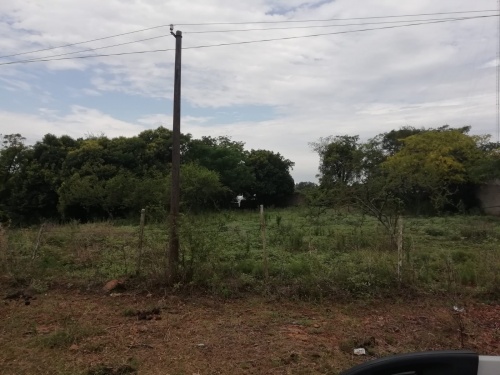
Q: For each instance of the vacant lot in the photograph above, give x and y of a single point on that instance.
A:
(332, 286)
(71, 332)
(312, 254)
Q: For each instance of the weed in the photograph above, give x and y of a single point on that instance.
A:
(129, 312)
(72, 333)
(435, 232)
(312, 253)
(478, 231)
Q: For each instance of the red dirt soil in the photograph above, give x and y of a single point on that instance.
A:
(68, 332)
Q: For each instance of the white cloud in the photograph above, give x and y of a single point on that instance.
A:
(79, 122)
(359, 83)
(91, 92)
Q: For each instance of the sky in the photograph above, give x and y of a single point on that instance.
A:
(276, 95)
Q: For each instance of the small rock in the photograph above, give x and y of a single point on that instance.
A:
(316, 326)
(113, 285)
(200, 345)
(74, 347)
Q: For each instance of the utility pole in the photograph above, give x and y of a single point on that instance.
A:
(173, 248)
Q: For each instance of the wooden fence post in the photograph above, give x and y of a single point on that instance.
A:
(264, 248)
(399, 243)
(141, 240)
(38, 239)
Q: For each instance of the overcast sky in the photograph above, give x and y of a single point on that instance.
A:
(277, 95)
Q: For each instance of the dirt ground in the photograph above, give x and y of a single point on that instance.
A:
(66, 331)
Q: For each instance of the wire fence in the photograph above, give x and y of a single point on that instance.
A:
(237, 250)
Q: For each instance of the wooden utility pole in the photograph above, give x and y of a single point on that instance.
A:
(173, 248)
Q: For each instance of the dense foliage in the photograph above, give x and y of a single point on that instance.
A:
(101, 178)
(407, 170)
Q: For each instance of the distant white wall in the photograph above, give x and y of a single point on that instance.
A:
(489, 195)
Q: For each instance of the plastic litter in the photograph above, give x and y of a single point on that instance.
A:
(359, 351)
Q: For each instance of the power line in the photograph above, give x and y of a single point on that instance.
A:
(323, 26)
(98, 48)
(240, 23)
(260, 29)
(243, 42)
(85, 57)
(335, 19)
(87, 41)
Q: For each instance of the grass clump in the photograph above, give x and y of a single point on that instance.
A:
(70, 334)
(311, 254)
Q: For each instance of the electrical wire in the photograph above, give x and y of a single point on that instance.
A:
(243, 42)
(240, 23)
(323, 26)
(334, 19)
(260, 29)
(98, 48)
(87, 41)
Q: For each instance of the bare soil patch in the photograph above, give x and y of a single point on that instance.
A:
(71, 332)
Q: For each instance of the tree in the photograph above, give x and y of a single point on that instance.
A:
(201, 188)
(488, 168)
(13, 161)
(156, 155)
(43, 175)
(273, 183)
(83, 198)
(434, 164)
(224, 156)
(305, 185)
(11, 156)
(391, 142)
(340, 160)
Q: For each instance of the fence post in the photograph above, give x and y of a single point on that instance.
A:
(399, 243)
(38, 239)
(264, 248)
(141, 240)
(4, 246)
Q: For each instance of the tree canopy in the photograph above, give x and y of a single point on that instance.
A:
(61, 178)
(416, 170)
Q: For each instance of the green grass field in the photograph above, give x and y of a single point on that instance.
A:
(311, 254)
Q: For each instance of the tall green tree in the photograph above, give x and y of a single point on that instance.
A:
(201, 188)
(273, 183)
(225, 157)
(340, 160)
(434, 164)
(14, 160)
(156, 156)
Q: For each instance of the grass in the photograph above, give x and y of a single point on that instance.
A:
(327, 272)
(312, 255)
(71, 334)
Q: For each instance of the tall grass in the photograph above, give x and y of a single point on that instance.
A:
(311, 254)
